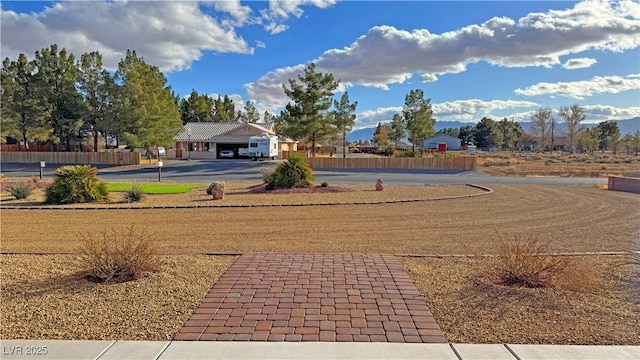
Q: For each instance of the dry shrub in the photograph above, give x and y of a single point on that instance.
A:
(119, 256)
(526, 262)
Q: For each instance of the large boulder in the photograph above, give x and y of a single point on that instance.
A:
(216, 190)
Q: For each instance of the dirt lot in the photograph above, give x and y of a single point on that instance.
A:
(598, 164)
(44, 296)
(571, 218)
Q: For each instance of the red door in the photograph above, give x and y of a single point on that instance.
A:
(442, 147)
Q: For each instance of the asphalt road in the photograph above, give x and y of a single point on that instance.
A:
(231, 170)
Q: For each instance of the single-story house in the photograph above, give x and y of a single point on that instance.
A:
(443, 142)
(205, 140)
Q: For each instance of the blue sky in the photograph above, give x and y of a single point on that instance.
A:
(473, 59)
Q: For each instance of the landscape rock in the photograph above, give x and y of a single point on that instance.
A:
(379, 185)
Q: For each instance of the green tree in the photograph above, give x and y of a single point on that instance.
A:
(113, 122)
(307, 115)
(573, 117)
(487, 134)
(224, 110)
(23, 112)
(589, 140)
(345, 116)
(449, 131)
(381, 139)
(268, 118)
(609, 133)
(397, 131)
(58, 74)
(196, 108)
(467, 134)
(418, 117)
(151, 110)
(250, 113)
(635, 141)
(94, 85)
(511, 132)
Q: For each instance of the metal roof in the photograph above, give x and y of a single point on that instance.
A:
(205, 131)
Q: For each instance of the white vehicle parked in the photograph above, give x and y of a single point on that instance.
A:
(263, 146)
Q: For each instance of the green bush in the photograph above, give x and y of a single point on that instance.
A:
(76, 184)
(119, 256)
(134, 194)
(293, 172)
(324, 184)
(20, 190)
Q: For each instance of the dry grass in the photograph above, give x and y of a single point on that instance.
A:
(571, 218)
(46, 297)
(471, 308)
(558, 163)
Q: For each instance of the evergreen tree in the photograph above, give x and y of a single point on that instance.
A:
(487, 134)
(306, 117)
(57, 74)
(23, 111)
(418, 117)
(609, 133)
(345, 116)
(151, 110)
(397, 131)
(224, 110)
(511, 132)
(250, 113)
(467, 134)
(196, 108)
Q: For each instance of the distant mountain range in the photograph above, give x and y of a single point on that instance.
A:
(628, 126)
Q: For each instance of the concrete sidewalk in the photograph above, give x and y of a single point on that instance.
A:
(142, 350)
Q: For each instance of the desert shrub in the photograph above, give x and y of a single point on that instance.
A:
(215, 185)
(528, 263)
(324, 184)
(20, 190)
(134, 194)
(293, 172)
(119, 256)
(76, 184)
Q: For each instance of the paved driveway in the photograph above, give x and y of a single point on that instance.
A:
(249, 171)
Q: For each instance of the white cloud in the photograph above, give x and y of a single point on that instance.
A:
(260, 44)
(170, 35)
(578, 63)
(285, 8)
(386, 55)
(280, 10)
(275, 28)
(469, 110)
(605, 112)
(240, 12)
(581, 89)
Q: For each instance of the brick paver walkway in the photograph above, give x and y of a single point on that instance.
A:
(313, 297)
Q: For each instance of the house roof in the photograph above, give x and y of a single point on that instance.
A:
(442, 137)
(206, 131)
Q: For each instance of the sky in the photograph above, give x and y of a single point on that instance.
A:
(471, 58)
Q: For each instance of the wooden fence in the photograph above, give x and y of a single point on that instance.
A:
(72, 158)
(450, 163)
(42, 148)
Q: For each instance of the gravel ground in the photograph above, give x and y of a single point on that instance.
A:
(246, 194)
(45, 297)
(571, 218)
(471, 309)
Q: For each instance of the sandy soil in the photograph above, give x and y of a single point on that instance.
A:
(45, 297)
(471, 309)
(571, 218)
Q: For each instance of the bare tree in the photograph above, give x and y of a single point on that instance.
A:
(573, 116)
(541, 126)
